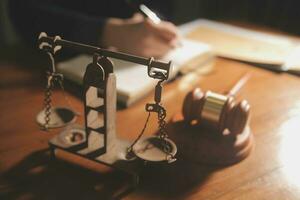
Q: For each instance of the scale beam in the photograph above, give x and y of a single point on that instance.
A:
(154, 66)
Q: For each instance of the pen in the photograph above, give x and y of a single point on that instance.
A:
(147, 13)
(144, 10)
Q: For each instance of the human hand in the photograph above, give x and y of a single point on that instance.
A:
(140, 36)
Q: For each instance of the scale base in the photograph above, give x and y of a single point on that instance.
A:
(72, 146)
(205, 146)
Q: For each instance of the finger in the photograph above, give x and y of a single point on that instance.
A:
(166, 30)
(137, 16)
(175, 43)
(170, 43)
(157, 47)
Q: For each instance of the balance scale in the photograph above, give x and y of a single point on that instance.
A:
(98, 141)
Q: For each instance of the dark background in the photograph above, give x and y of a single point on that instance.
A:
(277, 14)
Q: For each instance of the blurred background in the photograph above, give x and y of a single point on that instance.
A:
(277, 14)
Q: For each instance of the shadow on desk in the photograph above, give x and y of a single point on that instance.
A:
(173, 181)
(39, 177)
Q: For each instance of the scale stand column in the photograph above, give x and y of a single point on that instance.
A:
(98, 142)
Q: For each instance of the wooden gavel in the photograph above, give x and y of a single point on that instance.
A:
(217, 111)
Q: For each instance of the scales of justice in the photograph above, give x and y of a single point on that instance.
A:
(98, 141)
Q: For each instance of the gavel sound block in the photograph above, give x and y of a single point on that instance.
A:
(212, 128)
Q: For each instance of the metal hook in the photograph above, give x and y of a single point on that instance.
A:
(150, 61)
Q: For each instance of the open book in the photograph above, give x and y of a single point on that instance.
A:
(268, 50)
(133, 81)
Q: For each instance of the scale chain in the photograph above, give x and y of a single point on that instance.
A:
(161, 115)
(163, 134)
(48, 100)
(51, 78)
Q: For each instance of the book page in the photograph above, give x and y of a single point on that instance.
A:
(188, 50)
(242, 44)
(292, 62)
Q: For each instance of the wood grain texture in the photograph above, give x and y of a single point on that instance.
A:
(270, 172)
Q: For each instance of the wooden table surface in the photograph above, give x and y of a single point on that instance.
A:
(270, 172)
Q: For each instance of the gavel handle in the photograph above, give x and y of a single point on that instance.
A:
(239, 84)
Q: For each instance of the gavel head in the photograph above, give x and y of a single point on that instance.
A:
(215, 111)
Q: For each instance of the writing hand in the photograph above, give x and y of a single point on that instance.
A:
(140, 36)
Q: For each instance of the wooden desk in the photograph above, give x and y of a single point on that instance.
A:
(271, 171)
